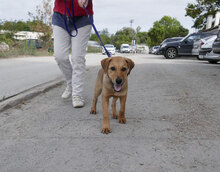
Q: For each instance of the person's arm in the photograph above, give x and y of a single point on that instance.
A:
(83, 3)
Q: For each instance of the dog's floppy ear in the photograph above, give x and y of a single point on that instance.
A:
(105, 62)
(130, 64)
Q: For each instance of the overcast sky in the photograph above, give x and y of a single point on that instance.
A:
(112, 14)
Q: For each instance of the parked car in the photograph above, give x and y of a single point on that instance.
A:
(213, 55)
(4, 46)
(125, 48)
(171, 50)
(150, 50)
(155, 50)
(169, 40)
(203, 45)
(110, 48)
(216, 45)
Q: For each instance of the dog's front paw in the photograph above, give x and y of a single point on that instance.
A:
(122, 120)
(106, 130)
(93, 111)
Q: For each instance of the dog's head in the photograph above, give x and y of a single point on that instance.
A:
(117, 69)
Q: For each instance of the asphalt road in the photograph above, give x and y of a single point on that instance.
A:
(20, 74)
(173, 124)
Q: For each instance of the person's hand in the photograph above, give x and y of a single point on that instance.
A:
(83, 3)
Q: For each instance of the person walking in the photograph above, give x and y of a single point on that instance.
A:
(70, 15)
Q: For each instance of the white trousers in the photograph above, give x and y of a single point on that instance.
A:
(74, 72)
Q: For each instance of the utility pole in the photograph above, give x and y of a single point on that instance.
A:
(131, 21)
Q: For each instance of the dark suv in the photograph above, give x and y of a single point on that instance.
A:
(165, 41)
(171, 50)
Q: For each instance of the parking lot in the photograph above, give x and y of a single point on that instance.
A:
(173, 123)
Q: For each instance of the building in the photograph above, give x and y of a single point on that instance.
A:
(25, 35)
(213, 23)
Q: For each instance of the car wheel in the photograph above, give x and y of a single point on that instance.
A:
(213, 61)
(171, 53)
(198, 57)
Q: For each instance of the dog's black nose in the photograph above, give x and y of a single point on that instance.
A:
(118, 80)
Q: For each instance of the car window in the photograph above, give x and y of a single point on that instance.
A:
(166, 40)
(109, 46)
(193, 38)
(125, 46)
(184, 38)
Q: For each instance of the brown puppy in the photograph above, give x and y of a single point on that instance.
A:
(112, 82)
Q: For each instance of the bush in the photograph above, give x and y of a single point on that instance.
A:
(20, 48)
(94, 50)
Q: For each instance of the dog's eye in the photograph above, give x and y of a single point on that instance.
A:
(123, 69)
(112, 68)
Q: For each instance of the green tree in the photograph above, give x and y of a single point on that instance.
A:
(123, 36)
(41, 21)
(167, 27)
(105, 36)
(14, 26)
(7, 38)
(138, 29)
(22, 26)
(142, 38)
(200, 10)
(11, 27)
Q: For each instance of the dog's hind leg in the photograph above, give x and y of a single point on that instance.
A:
(114, 111)
(94, 102)
(97, 91)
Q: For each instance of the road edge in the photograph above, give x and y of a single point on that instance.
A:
(29, 93)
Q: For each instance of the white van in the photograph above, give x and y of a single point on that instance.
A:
(110, 48)
(125, 48)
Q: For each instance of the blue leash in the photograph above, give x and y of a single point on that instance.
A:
(72, 20)
(108, 54)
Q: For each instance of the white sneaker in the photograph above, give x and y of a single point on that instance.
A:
(67, 93)
(77, 101)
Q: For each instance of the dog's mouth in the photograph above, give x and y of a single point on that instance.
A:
(117, 87)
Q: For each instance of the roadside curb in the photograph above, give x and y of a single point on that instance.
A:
(30, 93)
